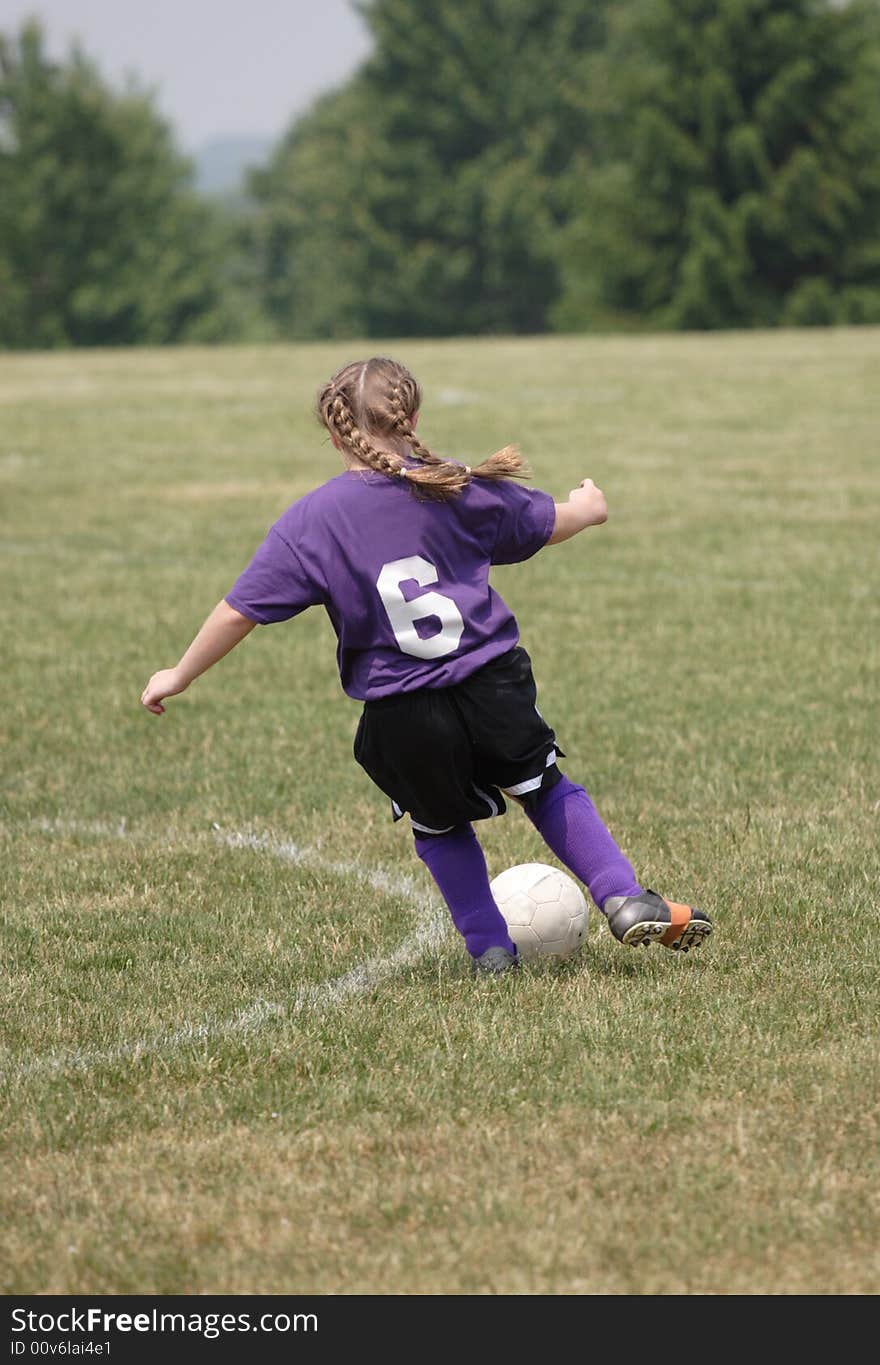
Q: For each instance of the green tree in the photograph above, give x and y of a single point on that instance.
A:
(101, 240)
(310, 235)
(742, 186)
(426, 197)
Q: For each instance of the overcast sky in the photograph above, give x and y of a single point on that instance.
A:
(217, 67)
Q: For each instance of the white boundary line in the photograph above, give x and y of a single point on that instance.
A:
(429, 933)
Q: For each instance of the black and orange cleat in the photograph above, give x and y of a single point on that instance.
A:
(648, 919)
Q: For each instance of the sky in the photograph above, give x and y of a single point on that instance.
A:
(217, 68)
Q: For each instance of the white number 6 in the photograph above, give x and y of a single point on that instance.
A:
(403, 613)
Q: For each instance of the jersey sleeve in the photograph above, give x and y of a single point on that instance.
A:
(526, 522)
(274, 586)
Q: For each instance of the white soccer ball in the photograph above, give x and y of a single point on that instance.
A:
(545, 910)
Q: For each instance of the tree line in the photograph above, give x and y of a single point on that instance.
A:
(507, 166)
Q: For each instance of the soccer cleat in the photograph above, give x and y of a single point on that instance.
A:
(648, 919)
(494, 962)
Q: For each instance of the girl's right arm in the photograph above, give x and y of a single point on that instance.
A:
(586, 506)
(223, 630)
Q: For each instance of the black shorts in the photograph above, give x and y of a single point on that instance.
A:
(446, 755)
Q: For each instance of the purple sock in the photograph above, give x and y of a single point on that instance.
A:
(456, 862)
(570, 825)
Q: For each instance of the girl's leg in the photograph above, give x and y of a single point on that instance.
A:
(456, 862)
(570, 825)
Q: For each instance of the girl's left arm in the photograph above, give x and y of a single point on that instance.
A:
(223, 630)
(586, 506)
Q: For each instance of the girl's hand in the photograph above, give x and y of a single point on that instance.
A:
(166, 683)
(590, 503)
(223, 630)
(586, 506)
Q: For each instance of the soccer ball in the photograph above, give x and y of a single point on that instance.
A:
(545, 910)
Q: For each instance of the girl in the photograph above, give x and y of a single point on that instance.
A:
(397, 549)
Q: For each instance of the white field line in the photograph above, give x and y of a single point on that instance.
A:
(429, 933)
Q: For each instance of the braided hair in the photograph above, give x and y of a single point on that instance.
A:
(369, 408)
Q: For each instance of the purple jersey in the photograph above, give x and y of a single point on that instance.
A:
(404, 582)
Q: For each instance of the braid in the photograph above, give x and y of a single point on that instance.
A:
(379, 398)
(403, 421)
(340, 419)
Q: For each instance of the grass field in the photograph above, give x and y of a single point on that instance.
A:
(242, 1052)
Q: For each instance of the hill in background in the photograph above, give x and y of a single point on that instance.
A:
(221, 164)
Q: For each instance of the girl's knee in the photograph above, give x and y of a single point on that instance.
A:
(426, 840)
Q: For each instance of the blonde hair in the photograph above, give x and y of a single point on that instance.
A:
(379, 398)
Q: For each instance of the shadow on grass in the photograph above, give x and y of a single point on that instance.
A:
(624, 965)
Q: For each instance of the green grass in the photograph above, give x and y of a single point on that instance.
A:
(189, 1106)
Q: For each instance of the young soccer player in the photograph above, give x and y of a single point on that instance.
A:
(397, 549)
